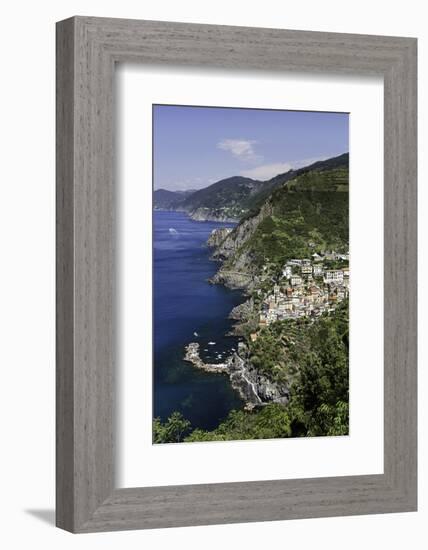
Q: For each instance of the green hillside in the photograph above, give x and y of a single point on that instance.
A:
(308, 214)
(256, 201)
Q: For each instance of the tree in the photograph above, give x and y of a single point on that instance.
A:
(172, 431)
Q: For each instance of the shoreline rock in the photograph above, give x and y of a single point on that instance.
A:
(192, 356)
(242, 312)
(235, 280)
(254, 389)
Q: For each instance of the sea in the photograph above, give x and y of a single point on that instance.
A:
(187, 308)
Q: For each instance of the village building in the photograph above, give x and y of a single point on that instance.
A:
(332, 297)
(314, 290)
(287, 271)
(341, 294)
(296, 280)
(299, 295)
(333, 276)
(318, 270)
(295, 262)
(306, 269)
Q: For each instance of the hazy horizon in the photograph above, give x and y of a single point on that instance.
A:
(197, 146)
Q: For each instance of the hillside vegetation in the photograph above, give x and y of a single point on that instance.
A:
(308, 214)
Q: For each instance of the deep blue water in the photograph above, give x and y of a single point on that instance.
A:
(185, 303)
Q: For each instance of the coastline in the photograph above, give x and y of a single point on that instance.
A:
(255, 390)
(185, 304)
(286, 261)
(200, 215)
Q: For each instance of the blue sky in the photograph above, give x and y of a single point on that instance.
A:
(197, 146)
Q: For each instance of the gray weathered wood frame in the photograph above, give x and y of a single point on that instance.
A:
(87, 50)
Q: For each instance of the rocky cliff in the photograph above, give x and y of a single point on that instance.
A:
(255, 389)
(241, 234)
(242, 312)
(218, 236)
(238, 270)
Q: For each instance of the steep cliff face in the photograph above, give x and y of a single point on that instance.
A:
(241, 234)
(217, 236)
(255, 389)
(242, 312)
(238, 270)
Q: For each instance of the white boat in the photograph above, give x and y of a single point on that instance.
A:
(195, 334)
(211, 343)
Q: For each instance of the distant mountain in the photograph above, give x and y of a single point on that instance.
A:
(225, 199)
(164, 199)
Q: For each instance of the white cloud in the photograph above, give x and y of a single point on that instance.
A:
(306, 162)
(267, 171)
(242, 149)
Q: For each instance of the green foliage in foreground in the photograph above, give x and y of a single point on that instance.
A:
(172, 431)
(269, 422)
(319, 391)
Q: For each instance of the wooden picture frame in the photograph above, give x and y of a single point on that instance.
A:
(87, 50)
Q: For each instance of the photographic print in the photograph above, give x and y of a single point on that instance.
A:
(250, 274)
